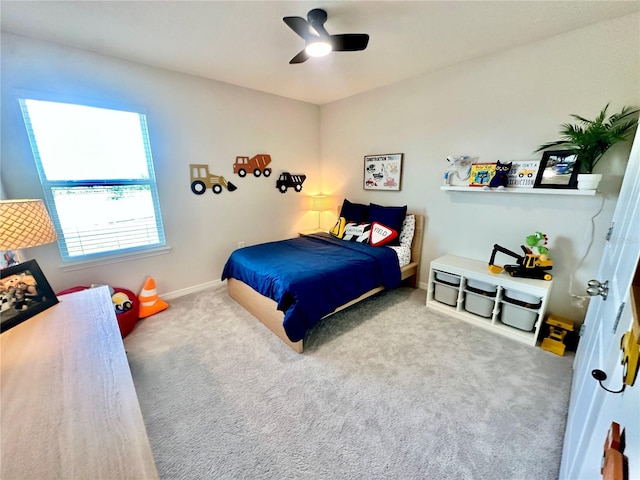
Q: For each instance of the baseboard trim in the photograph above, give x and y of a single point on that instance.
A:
(208, 285)
(193, 289)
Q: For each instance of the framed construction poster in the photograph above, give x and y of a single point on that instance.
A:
(523, 173)
(481, 174)
(383, 172)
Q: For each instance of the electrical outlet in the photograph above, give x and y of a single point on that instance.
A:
(240, 244)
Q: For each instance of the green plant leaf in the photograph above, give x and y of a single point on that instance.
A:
(590, 139)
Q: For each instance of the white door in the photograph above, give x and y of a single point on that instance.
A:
(591, 408)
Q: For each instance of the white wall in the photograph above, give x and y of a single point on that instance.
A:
(191, 120)
(500, 107)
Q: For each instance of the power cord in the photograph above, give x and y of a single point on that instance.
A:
(578, 300)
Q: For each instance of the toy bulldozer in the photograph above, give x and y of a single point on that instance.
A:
(558, 329)
(528, 265)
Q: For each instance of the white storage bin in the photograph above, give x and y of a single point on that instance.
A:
(478, 304)
(518, 317)
(483, 287)
(445, 294)
(522, 297)
(447, 278)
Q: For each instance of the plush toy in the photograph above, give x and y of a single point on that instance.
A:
(459, 167)
(533, 244)
(121, 302)
(501, 178)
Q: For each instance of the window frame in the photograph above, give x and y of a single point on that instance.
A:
(48, 186)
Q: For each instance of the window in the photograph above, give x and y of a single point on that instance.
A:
(96, 171)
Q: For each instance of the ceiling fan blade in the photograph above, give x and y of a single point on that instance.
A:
(300, 26)
(300, 58)
(349, 42)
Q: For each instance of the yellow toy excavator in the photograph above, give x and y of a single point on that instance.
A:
(529, 265)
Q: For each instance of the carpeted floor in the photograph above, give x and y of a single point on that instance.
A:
(386, 389)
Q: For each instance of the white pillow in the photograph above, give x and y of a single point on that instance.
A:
(408, 230)
(403, 252)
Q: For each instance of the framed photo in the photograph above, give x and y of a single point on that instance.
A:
(523, 173)
(383, 172)
(24, 292)
(481, 174)
(558, 169)
(9, 258)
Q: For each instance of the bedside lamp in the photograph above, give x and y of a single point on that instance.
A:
(24, 224)
(320, 203)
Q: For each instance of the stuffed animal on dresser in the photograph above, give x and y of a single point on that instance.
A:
(501, 178)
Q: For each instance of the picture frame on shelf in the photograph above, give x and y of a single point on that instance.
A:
(558, 169)
(383, 172)
(481, 174)
(523, 173)
(24, 292)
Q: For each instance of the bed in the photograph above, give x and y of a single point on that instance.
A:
(291, 285)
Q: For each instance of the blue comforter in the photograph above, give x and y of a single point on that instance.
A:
(310, 276)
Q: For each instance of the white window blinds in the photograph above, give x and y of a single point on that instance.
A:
(96, 170)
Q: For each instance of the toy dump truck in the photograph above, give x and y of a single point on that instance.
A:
(256, 165)
(201, 179)
(287, 180)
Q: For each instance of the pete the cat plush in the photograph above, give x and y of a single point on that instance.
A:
(501, 178)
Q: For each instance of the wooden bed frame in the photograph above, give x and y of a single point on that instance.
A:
(265, 309)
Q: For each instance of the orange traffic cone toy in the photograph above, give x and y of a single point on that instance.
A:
(150, 303)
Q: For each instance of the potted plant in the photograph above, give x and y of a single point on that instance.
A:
(590, 139)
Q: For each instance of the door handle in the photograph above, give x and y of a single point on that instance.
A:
(594, 288)
(630, 362)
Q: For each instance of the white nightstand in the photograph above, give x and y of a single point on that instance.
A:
(311, 231)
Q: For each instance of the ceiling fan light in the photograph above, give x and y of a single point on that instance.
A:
(318, 48)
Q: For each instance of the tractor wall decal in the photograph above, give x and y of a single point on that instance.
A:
(201, 179)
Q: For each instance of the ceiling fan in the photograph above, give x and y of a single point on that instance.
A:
(318, 42)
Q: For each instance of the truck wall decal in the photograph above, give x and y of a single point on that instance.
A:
(201, 179)
(256, 165)
(288, 180)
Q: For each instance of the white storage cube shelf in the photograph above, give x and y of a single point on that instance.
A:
(510, 306)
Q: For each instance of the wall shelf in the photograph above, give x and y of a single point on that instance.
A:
(530, 191)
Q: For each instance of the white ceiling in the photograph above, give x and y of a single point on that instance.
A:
(246, 42)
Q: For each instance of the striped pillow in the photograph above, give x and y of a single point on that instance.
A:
(357, 232)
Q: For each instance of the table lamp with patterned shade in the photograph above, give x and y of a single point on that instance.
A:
(24, 224)
(24, 290)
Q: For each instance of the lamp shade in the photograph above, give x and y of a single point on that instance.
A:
(320, 203)
(24, 224)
